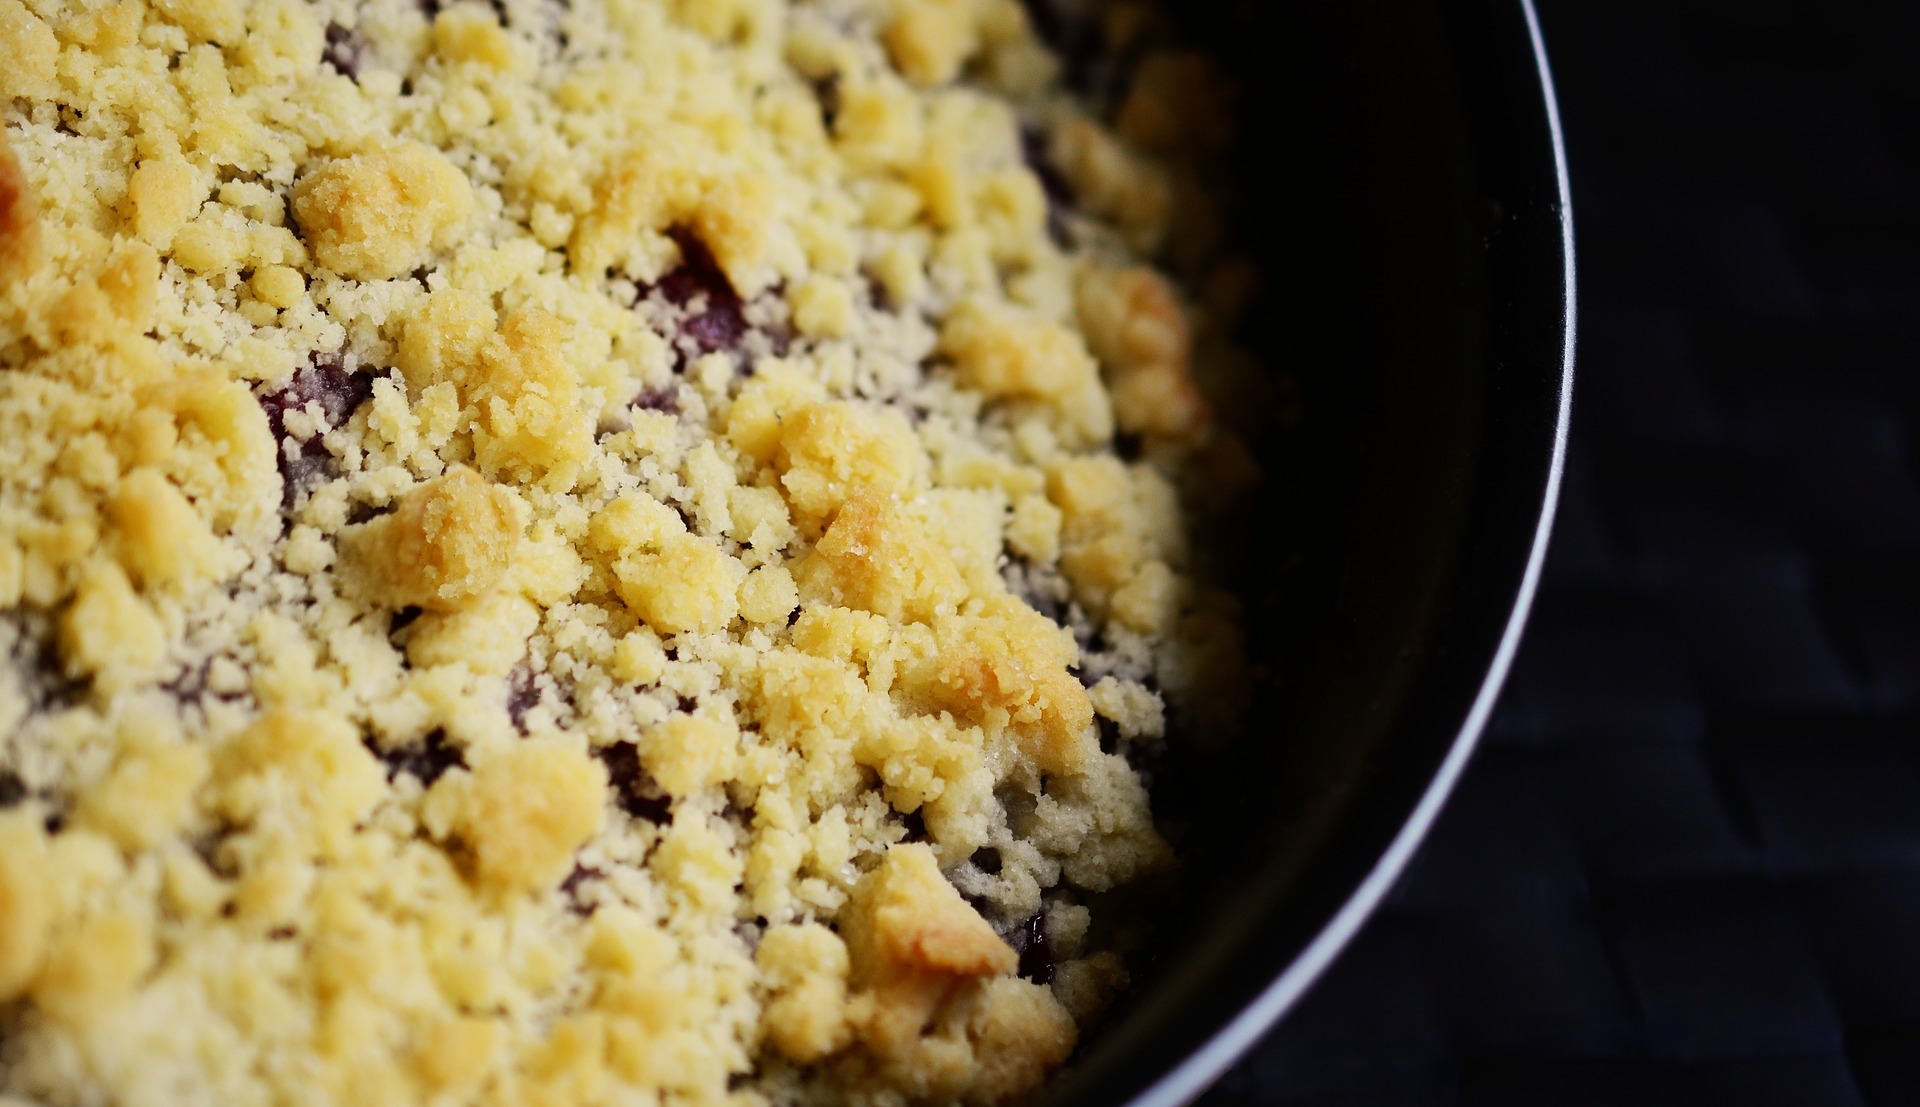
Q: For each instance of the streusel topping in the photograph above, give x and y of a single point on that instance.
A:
(585, 551)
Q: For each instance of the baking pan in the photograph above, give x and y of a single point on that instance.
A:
(1403, 189)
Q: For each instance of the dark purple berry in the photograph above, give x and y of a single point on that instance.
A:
(1036, 949)
(339, 390)
(639, 796)
(359, 511)
(711, 312)
(522, 694)
(717, 328)
(987, 860)
(751, 931)
(1033, 145)
(324, 380)
(37, 659)
(344, 51)
(657, 399)
(428, 761)
(580, 875)
(191, 684)
(572, 885)
(826, 90)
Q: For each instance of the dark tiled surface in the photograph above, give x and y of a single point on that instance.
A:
(1686, 867)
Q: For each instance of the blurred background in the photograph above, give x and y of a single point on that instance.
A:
(1685, 866)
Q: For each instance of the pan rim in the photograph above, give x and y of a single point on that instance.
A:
(1188, 1080)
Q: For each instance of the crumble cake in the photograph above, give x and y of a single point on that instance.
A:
(590, 551)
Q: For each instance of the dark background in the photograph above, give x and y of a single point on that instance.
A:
(1685, 866)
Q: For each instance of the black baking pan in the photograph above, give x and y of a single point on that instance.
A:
(1403, 189)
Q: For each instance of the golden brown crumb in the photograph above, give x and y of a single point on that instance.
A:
(1141, 337)
(444, 545)
(19, 228)
(912, 941)
(521, 813)
(375, 215)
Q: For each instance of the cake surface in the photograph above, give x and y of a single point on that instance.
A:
(589, 551)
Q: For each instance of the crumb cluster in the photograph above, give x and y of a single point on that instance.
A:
(590, 551)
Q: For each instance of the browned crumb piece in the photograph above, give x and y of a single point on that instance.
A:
(934, 999)
(444, 545)
(1009, 668)
(19, 228)
(912, 941)
(873, 559)
(375, 215)
(520, 813)
(1140, 334)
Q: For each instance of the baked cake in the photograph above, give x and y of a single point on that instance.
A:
(610, 551)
